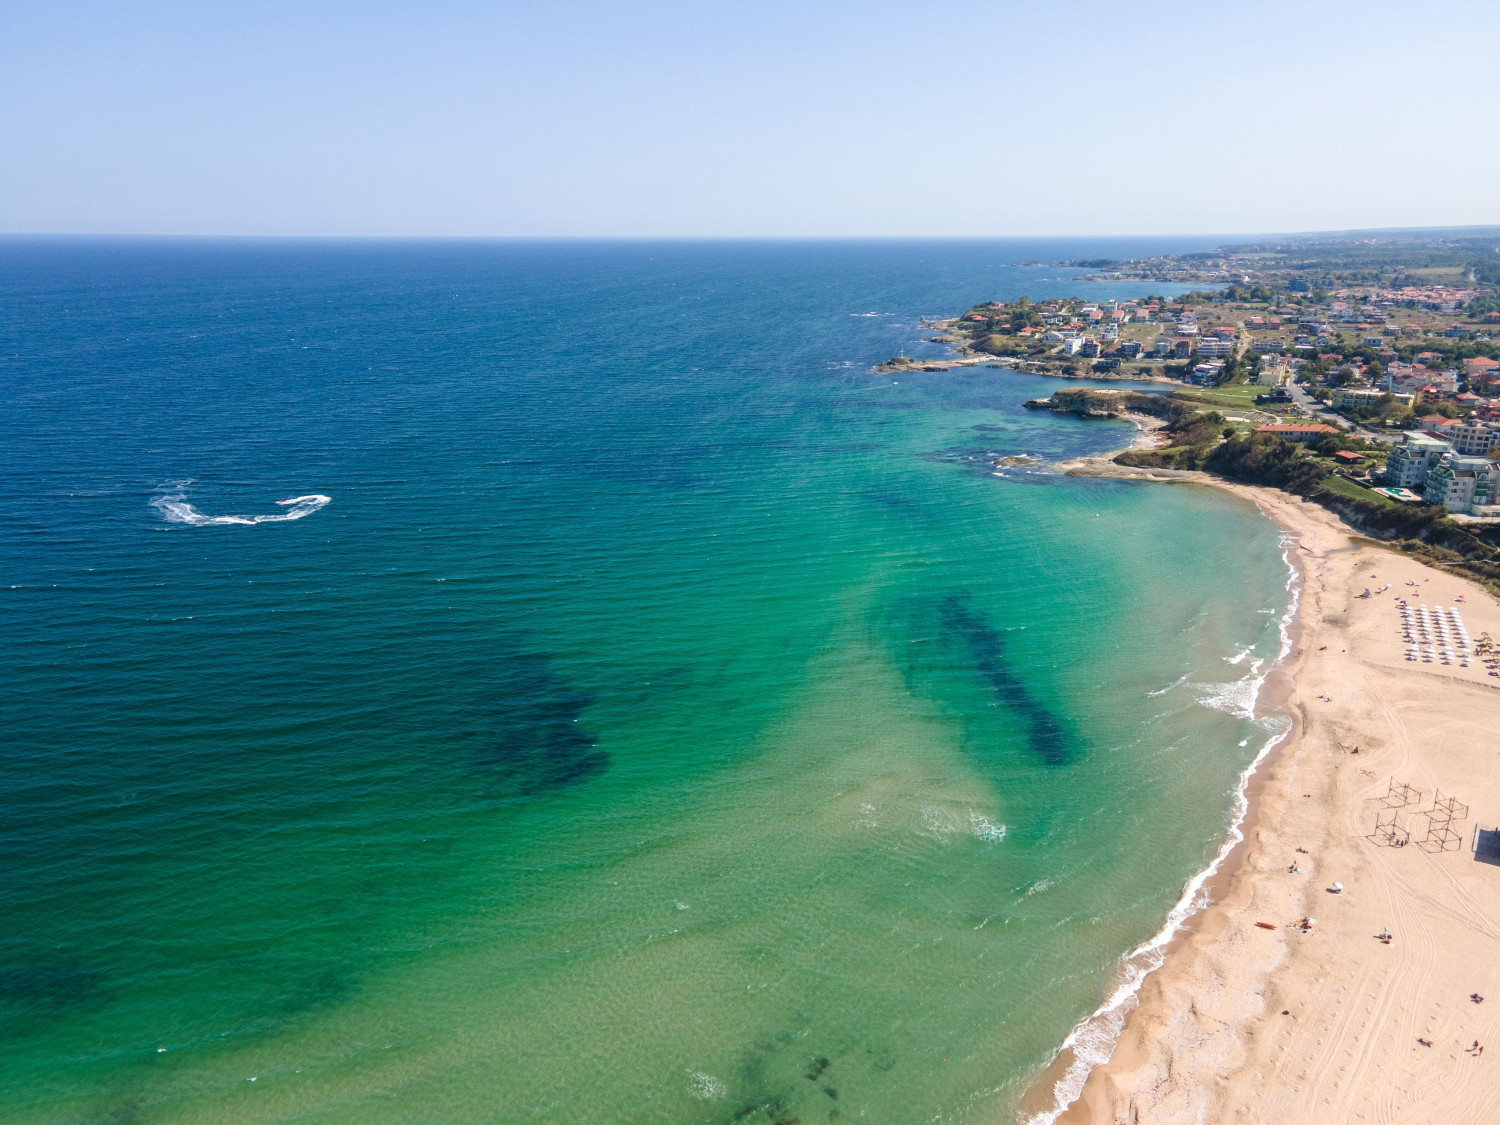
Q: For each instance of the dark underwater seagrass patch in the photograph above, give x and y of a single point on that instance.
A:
(51, 989)
(535, 740)
(971, 630)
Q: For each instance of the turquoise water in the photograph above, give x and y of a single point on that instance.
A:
(665, 719)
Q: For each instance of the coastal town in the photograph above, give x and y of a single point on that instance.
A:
(1397, 390)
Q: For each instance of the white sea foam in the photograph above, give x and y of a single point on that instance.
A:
(984, 828)
(943, 824)
(1092, 1041)
(1178, 682)
(174, 508)
(1237, 697)
(705, 1086)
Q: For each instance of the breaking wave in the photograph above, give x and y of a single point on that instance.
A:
(174, 508)
(1092, 1040)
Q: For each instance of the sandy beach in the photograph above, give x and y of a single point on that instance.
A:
(1250, 1019)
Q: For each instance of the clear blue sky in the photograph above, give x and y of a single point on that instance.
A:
(726, 118)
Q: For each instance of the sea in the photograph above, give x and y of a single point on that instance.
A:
(563, 682)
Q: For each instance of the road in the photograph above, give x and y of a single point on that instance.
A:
(1309, 405)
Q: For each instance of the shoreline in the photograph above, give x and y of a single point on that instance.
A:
(1056, 1094)
(1156, 1049)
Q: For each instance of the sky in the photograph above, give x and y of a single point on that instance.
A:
(725, 118)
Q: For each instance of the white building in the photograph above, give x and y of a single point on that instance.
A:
(1212, 347)
(1409, 462)
(1363, 397)
(1462, 484)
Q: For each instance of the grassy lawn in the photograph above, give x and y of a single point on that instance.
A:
(1241, 394)
(1345, 487)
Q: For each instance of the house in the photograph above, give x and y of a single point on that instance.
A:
(1272, 374)
(1162, 347)
(1408, 462)
(1462, 484)
(1436, 423)
(1181, 349)
(1207, 374)
(1211, 347)
(1446, 380)
(1267, 346)
(1090, 349)
(1349, 457)
(1130, 349)
(1488, 412)
(1298, 433)
(1106, 364)
(1481, 371)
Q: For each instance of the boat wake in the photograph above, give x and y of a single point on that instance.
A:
(174, 508)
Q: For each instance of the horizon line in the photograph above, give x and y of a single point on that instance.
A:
(1473, 229)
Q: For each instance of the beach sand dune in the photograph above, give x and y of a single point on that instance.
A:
(1249, 1024)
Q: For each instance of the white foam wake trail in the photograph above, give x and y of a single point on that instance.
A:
(1092, 1041)
(174, 508)
(1182, 679)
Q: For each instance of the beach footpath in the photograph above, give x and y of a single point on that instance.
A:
(1348, 968)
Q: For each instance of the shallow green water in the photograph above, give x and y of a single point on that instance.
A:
(666, 719)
